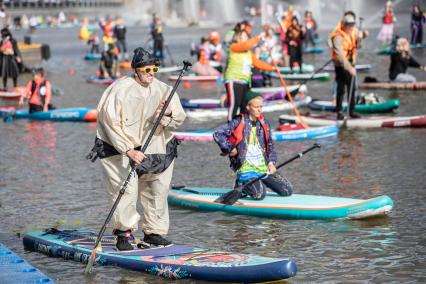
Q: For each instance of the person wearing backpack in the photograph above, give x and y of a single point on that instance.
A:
(247, 140)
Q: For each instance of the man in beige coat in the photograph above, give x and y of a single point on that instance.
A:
(126, 114)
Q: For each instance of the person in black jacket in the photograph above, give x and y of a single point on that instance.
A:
(120, 36)
(294, 38)
(400, 61)
(418, 18)
(10, 58)
(158, 39)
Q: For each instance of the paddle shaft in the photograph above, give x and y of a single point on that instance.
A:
(170, 55)
(358, 43)
(351, 89)
(312, 76)
(288, 94)
(299, 155)
(132, 173)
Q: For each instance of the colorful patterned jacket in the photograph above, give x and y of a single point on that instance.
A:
(222, 138)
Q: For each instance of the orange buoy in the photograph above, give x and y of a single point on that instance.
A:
(186, 85)
(71, 71)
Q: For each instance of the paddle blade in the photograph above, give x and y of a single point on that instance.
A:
(230, 197)
(90, 262)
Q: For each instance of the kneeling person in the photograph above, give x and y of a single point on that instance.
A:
(247, 140)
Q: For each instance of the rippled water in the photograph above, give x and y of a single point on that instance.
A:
(45, 180)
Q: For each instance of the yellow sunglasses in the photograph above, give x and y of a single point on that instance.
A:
(148, 69)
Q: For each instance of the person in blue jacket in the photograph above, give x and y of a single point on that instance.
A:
(247, 140)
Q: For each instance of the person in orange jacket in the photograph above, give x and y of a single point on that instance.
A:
(344, 41)
(38, 92)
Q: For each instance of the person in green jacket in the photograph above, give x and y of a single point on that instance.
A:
(238, 70)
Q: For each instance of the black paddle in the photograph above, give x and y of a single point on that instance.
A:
(295, 91)
(232, 196)
(170, 55)
(132, 173)
(351, 89)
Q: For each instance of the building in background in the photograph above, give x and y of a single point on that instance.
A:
(206, 12)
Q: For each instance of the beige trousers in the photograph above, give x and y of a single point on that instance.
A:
(152, 189)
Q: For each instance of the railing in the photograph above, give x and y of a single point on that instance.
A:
(19, 4)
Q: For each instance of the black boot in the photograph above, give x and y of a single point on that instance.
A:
(123, 238)
(340, 116)
(156, 240)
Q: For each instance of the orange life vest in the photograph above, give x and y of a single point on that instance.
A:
(348, 42)
(388, 18)
(108, 29)
(38, 93)
(288, 19)
(238, 134)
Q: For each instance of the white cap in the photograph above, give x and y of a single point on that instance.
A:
(349, 19)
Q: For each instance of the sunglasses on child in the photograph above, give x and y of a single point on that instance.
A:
(148, 69)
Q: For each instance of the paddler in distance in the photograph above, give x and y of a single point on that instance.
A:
(247, 140)
(401, 59)
(344, 41)
(38, 92)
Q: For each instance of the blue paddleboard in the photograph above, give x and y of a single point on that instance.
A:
(173, 262)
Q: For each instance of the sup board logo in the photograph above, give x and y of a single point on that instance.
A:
(402, 123)
(69, 114)
(168, 272)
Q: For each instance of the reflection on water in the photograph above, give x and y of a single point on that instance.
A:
(46, 181)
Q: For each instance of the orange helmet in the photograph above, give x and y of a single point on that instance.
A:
(214, 36)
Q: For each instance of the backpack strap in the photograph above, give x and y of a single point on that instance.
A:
(265, 130)
(237, 135)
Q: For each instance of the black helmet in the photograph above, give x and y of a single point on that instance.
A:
(141, 58)
(5, 32)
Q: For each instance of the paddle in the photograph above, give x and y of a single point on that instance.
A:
(287, 91)
(170, 55)
(351, 88)
(232, 196)
(294, 92)
(132, 173)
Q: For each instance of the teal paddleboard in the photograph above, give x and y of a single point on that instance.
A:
(297, 206)
(381, 107)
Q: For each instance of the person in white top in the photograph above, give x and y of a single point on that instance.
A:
(126, 113)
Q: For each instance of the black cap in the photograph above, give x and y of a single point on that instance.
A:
(5, 32)
(141, 58)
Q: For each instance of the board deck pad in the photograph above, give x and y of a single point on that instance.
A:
(108, 246)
